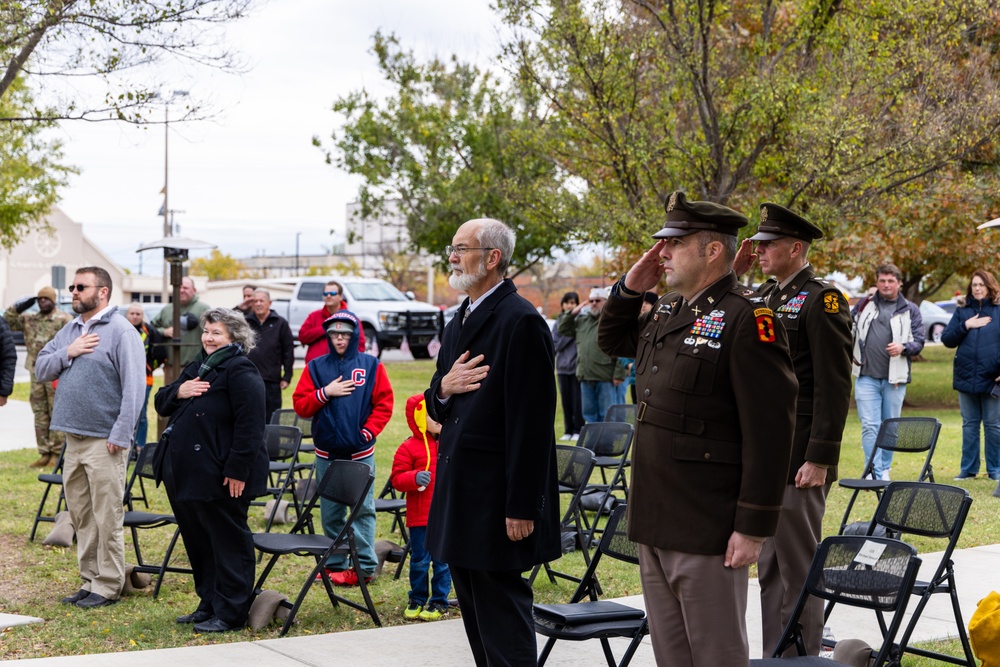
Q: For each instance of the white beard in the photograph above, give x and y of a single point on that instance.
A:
(463, 281)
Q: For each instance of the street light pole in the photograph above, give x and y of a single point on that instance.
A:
(297, 235)
(166, 189)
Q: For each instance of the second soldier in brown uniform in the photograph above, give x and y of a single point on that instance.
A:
(817, 319)
(713, 433)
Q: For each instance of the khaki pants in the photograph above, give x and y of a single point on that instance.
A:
(696, 608)
(94, 484)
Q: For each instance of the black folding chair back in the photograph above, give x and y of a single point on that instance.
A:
(622, 412)
(904, 435)
(876, 573)
(610, 442)
(288, 417)
(573, 468)
(935, 511)
(282, 444)
(347, 483)
(587, 617)
(50, 479)
(391, 502)
(136, 520)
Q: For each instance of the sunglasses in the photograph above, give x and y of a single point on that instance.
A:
(79, 288)
(333, 293)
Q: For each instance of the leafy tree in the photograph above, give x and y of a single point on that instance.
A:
(108, 39)
(453, 143)
(218, 266)
(31, 171)
(861, 114)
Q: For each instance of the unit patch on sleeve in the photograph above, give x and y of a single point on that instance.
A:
(831, 303)
(765, 325)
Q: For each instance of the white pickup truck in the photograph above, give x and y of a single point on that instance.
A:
(387, 315)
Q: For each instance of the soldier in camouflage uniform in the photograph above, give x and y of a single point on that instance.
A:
(39, 328)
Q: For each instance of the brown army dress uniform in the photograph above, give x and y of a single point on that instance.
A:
(713, 435)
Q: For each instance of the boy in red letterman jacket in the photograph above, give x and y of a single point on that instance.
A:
(348, 396)
(413, 470)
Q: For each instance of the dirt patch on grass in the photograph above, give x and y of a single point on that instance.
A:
(14, 594)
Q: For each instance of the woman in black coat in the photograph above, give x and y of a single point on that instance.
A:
(213, 464)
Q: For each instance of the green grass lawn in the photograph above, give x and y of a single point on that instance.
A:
(33, 577)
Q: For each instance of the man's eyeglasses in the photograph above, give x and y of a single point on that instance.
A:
(596, 300)
(79, 288)
(461, 249)
(333, 293)
(341, 334)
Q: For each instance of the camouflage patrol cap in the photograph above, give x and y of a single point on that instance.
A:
(687, 217)
(778, 222)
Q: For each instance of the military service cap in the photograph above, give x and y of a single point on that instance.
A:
(687, 217)
(778, 222)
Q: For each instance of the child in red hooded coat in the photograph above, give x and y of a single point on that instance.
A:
(413, 470)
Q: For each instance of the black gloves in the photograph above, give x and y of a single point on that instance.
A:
(24, 304)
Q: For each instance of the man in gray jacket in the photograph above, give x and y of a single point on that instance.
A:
(100, 364)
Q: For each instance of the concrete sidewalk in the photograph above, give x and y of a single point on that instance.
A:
(443, 643)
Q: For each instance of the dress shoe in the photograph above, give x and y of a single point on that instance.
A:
(75, 597)
(198, 616)
(42, 461)
(94, 600)
(214, 624)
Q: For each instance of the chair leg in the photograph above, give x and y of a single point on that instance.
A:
(608, 655)
(549, 643)
(356, 564)
(166, 562)
(402, 561)
(38, 513)
(302, 595)
(634, 645)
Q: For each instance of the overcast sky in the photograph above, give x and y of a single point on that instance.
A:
(250, 179)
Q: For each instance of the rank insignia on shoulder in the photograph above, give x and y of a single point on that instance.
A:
(831, 303)
(748, 292)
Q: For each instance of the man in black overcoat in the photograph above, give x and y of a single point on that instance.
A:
(495, 511)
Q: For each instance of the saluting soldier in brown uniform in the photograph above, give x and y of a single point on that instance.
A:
(714, 432)
(817, 319)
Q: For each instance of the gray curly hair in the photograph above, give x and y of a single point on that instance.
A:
(235, 324)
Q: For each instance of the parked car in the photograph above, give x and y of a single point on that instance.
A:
(387, 315)
(936, 319)
(949, 305)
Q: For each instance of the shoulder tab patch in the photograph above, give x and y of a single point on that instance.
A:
(765, 325)
(831, 303)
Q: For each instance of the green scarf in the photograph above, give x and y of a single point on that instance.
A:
(219, 356)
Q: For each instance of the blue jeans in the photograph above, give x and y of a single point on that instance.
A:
(596, 397)
(335, 516)
(143, 425)
(877, 400)
(420, 561)
(976, 409)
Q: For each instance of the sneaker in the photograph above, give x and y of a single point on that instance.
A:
(347, 578)
(885, 476)
(412, 611)
(566, 438)
(576, 436)
(329, 572)
(433, 612)
(964, 475)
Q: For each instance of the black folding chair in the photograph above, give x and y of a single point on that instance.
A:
(50, 479)
(934, 511)
(136, 520)
(282, 444)
(288, 417)
(875, 573)
(585, 616)
(906, 435)
(390, 503)
(345, 482)
(622, 412)
(610, 443)
(573, 468)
